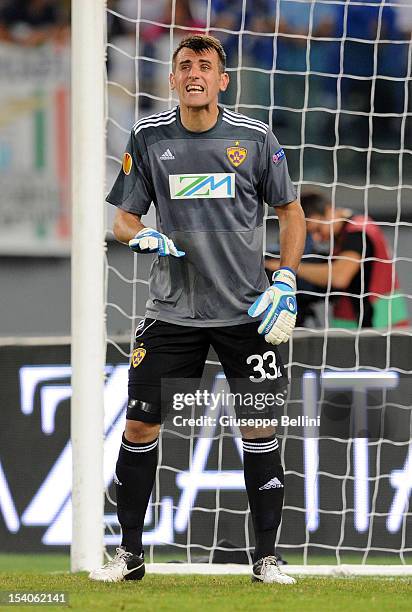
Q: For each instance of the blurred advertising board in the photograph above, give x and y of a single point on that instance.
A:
(343, 489)
(34, 150)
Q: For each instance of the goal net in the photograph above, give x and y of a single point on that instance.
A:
(332, 79)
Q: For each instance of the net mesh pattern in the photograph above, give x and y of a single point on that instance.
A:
(337, 96)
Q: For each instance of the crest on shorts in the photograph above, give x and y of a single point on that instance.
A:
(236, 154)
(127, 163)
(137, 356)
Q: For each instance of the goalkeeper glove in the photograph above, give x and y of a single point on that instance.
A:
(149, 240)
(278, 303)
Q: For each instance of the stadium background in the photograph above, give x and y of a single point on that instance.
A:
(34, 231)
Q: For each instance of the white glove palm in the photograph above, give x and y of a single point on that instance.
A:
(149, 240)
(278, 303)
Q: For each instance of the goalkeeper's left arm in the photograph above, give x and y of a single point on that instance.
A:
(278, 302)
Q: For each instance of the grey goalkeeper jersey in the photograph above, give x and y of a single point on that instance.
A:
(208, 189)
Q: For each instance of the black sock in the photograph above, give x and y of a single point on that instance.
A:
(135, 474)
(264, 479)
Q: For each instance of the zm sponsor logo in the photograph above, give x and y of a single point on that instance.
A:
(127, 163)
(190, 186)
(236, 154)
(137, 356)
(278, 156)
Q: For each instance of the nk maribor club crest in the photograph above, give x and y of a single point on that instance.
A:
(236, 154)
(138, 355)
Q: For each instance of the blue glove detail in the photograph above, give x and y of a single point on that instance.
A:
(149, 240)
(278, 306)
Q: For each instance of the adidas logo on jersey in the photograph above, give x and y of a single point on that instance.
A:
(274, 483)
(167, 155)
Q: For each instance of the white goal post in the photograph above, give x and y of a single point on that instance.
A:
(345, 569)
(88, 330)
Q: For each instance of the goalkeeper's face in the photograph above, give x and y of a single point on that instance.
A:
(197, 78)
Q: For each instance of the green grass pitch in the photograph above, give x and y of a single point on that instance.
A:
(201, 593)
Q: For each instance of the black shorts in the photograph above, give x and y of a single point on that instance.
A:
(166, 352)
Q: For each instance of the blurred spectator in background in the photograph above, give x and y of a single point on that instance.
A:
(308, 295)
(361, 266)
(230, 17)
(184, 17)
(140, 87)
(369, 55)
(34, 22)
(155, 45)
(127, 76)
(302, 43)
(295, 50)
(404, 24)
(404, 17)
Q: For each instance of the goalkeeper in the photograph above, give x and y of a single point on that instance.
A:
(208, 172)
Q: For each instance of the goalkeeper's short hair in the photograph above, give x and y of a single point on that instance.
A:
(199, 43)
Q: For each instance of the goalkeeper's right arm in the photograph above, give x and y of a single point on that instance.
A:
(128, 229)
(126, 226)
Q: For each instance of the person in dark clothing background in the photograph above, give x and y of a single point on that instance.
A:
(360, 274)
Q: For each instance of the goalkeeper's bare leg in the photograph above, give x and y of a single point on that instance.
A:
(264, 479)
(135, 475)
